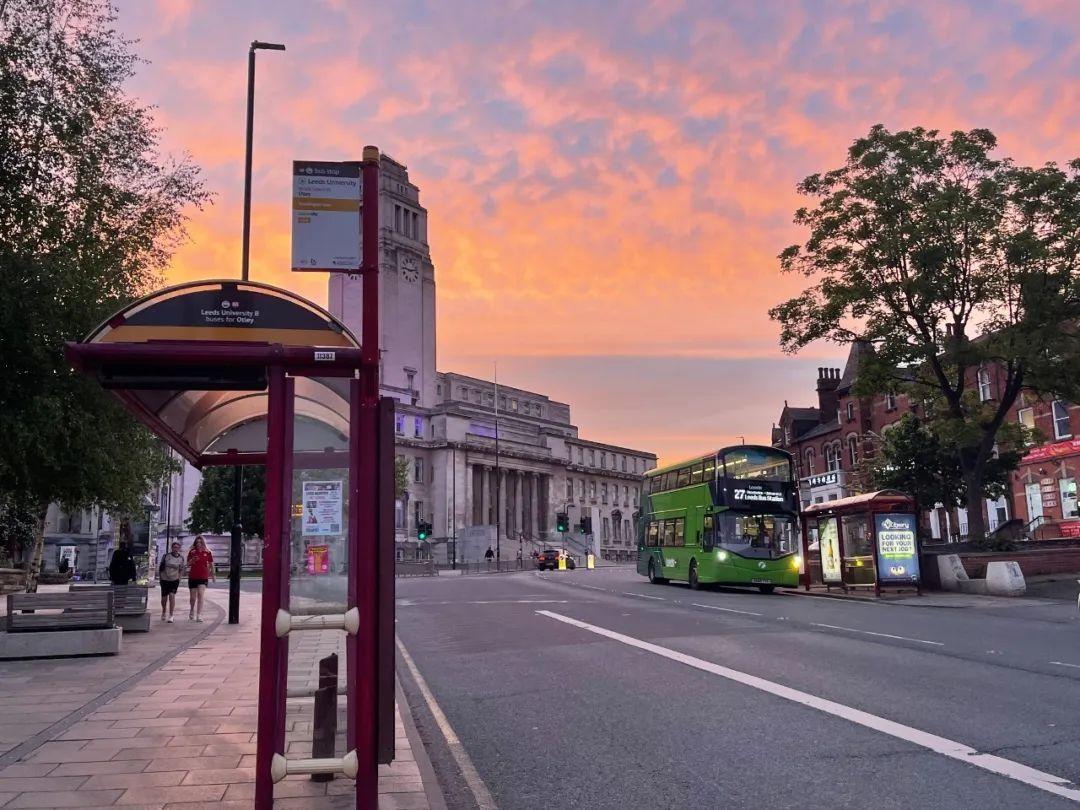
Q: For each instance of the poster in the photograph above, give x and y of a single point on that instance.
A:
(322, 508)
(318, 559)
(326, 216)
(830, 551)
(898, 560)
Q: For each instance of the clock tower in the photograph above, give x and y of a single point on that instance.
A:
(406, 291)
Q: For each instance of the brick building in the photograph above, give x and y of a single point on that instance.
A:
(828, 441)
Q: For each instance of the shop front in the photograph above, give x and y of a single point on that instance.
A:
(1045, 489)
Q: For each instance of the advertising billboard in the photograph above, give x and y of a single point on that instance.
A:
(898, 558)
(829, 539)
(326, 216)
(322, 508)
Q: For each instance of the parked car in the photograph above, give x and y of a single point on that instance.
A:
(549, 559)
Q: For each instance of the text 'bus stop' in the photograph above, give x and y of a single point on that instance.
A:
(229, 373)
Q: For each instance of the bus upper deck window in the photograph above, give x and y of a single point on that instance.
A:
(696, 473)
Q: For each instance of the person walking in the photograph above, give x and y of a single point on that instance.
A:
(122, 566)
(173, 566)
(200, 563)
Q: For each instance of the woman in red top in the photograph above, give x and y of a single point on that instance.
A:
(200, 563)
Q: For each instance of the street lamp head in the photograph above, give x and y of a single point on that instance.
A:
(266, 46)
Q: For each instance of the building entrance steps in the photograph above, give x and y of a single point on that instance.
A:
(171, 721)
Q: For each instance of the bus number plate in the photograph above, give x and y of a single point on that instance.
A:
(761, 581)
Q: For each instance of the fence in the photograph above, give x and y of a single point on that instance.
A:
(492, 567)
(415, 568)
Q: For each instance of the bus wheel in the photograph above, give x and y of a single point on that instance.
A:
(653, 578)
(766, 588)
(694, 584)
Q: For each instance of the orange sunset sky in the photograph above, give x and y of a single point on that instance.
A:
(608, 183)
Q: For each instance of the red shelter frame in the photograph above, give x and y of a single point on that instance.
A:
(207, 365)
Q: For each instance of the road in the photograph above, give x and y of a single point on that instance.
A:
(595, 689)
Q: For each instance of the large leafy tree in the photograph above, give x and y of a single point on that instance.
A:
(89, 214)
(212, 506)
(946, 259)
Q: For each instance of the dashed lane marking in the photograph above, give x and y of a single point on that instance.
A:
(727, 610)
(882, 635)
(1048, 782)
(644, 596)
(1063, 664)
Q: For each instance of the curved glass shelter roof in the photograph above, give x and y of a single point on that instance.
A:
(191, 362)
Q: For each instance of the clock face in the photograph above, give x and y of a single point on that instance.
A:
(410, 268)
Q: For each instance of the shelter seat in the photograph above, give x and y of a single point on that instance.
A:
(129, 603)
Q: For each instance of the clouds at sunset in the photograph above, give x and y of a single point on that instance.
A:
(608, 184)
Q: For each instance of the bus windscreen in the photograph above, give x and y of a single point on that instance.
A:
(756, 464)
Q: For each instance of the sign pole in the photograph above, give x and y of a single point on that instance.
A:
(235, 547)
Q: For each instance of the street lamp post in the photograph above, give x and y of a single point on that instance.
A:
(245, 247)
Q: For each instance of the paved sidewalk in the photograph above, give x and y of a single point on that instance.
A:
(147, 729)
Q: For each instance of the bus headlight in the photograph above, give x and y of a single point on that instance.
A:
(721, 555)
(796, 561)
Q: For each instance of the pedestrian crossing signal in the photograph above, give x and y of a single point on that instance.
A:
(562, 522)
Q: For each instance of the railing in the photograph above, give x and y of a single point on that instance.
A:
(415, 568)
(492, 567)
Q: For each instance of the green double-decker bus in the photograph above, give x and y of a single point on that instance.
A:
(726, 518)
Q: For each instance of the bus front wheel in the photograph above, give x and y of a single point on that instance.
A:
(766, 588)
(653, 578)
(694, 583)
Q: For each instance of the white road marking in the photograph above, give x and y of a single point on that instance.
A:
(489, 602)
(643, 596)
(1063, 664)
(883, 635)
(592, 588)
(727, 610)
(476, 785)
(1057, 785)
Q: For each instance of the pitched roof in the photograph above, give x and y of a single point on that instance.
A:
(819, 430)
(860, 350)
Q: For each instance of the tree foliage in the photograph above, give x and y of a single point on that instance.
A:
(89, 215)
(946, 259)
(212, 507)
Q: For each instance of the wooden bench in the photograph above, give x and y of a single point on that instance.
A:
(45, 625)
(129, 603)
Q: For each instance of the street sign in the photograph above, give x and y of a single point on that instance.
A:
(326, 216)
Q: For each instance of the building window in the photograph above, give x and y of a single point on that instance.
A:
(890, 402)
(626, 495)
(418, 512)
(592, 458)
(399, 514)
(616, 526)
(399, 424)
(1026, 417)
(418, 470)
(397, 218)
(580, 455)
(832, 458)
(410, 380)
(1061, 419)
(592, 489)
(603, 461)
(569, 488)
(581, 488)
(418, 427)
(810, 461)
(853, 450)
(851, 411)
(607, 530)
(603, 493)
(415, 225)
(985, 392)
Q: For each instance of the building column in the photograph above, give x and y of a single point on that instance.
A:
(517, 505)
(485, 495)
(534, 510)
(502, 502)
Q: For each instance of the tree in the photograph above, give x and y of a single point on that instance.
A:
(946, 260)
(914, 459)
(89, 215)
(401, 476)
(212, 506)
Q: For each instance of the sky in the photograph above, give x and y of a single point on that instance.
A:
(608, 184)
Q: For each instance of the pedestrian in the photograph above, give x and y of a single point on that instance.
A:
(200, 563)
(489, 554)
(122, 566)
(171, 569)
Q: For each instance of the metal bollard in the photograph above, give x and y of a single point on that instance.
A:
(324, 722)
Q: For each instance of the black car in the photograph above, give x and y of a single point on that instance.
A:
(549, 559)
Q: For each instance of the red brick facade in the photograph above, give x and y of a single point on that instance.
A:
(829, 439)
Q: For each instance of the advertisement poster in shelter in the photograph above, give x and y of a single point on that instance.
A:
(898, 558)
(322, 508)
(326, 216)
(318, 559)
(830, 551)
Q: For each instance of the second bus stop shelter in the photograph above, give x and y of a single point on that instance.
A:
(242, 373)
(868, 540)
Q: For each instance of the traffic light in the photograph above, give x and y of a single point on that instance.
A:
(581, 526)
(585, 527)
(562, 522)
(423, 530)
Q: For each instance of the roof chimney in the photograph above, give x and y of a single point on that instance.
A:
(827, 383)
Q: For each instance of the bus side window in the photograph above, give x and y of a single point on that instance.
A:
(654, 534)
(695, 473)
(710, 470)
(684, 477)
(680, 529)
(669, 480)
(669, 532)
(707, 539)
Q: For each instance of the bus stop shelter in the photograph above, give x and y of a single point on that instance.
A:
(868, 540)
(241, 373)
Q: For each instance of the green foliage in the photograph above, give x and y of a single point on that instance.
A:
(944, 258)
(89, 214)
(212, 507)
(401, 476)
(915, 458)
